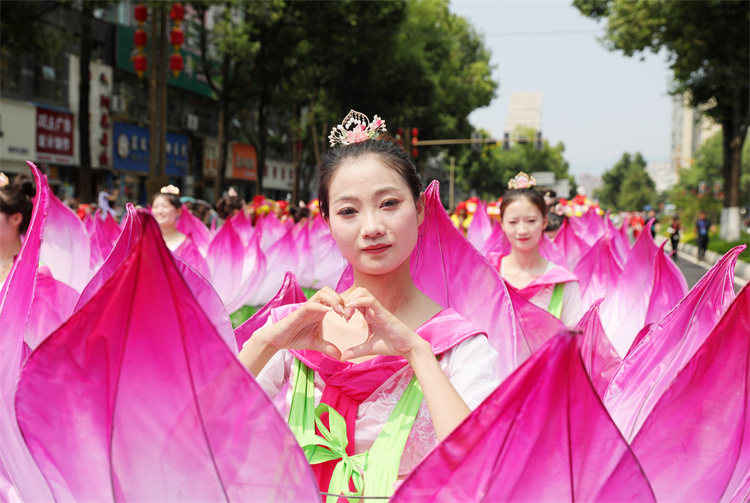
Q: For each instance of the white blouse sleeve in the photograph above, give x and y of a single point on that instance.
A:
(276, 372)
(572, 308)
(471, 369)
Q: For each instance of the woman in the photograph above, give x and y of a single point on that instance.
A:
(523, 216)
(674, 234)
(370, 350)
(15, 215)
(166, 208)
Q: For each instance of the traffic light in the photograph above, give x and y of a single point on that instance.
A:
(414, 141)
(506, 141)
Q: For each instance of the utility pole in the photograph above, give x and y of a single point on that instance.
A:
(157, 176)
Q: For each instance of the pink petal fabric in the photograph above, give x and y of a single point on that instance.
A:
(695, 444)
(588, 227)
(536, 325)
(542, 435)
(305, 258)
(243, 226)
(599, 357)
(66, 248)
(598, 271)
(53, 303)
(625, 307)
(619, 240)
(190, 225)
(649, 370)
(329, 263)
(573, 246)
(16, 295)
(281, 257)
(670, 286)
(289, 293)
(137, 398)
(225, 262)
(480, 229)
(129, 236)
(189, 253)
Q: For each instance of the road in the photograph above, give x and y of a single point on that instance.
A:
(694, 270)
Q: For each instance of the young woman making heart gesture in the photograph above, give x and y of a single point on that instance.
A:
(373, 377)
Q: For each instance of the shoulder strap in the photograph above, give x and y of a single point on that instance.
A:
(555, 303)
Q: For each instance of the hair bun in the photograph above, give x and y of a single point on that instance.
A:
(25, 185)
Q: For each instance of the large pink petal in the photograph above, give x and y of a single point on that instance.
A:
(625, 307)
(480, 229)
(329, 263)
(572, 246)
(305, 258)
(66, 249)
(542, 435)
(670, 286)
(189, 253)
(599, 357)
(225, 262)
(136, 397)
(190, 225)
(16, 296)
(53, 303)
(649, 370)
(598, 271)
(289, 293)
(695, 444)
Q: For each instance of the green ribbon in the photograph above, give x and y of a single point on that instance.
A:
(331, 445)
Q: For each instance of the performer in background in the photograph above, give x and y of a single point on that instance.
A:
(15, 215)
(523, 215)
(381, 369)
(166, 208)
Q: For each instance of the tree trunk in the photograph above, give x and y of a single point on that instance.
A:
(85, 190)
(734, 130)
(262, 137)
(157, 104)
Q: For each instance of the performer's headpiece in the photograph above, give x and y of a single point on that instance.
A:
(4, 180)
(521, 181)
(356, 127)
(170, 189)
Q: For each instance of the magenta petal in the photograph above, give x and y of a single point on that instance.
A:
(289, 293)
(598, 271)
(648, 371)
(281, 257)
(329, 263)
(542, 435)
(625, 307)
(670, 286)
(137, 398)
(599, 357)
(189, 253)
(573, 246)
(225, 262)
(16, 296)
(129, 236)
(66, 248)
(242, 225)
(305, 258)
(480, 229)
(695, 444)
(191, 226)
(53, 303)
(536, 326)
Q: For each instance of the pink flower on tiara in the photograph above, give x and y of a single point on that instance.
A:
(4, 180)
(521, 181)
(356, 127)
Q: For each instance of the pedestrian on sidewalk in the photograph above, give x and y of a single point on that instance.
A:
(674, 234)
(702, 226)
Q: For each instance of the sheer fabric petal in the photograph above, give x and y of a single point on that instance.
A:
(543, 435)
(137, 398)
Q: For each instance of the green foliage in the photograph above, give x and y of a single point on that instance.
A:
(707, 167)
(243, 314)
(488, 171)
(627, 186)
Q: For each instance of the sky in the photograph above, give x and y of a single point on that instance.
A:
(600, 104)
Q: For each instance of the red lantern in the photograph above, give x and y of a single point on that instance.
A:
(176, 38)
(175, 63)
(104, 101)
(178, 12)
(140, 38)
(140, 13)
(414, 132)
(139, 64)
(103, 159)
(104, 121)
(104, 140)
(414, 152)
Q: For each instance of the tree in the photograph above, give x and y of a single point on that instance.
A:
(487, 172)
(699, 187)
(708, 45)
(627, 186)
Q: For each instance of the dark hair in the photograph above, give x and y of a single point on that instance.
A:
(16, 197)
(554, 221)
(512, 195)
(389, 151)
(226, 206)
(172, 199)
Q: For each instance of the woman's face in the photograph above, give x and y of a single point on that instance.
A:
(523, 224)
(372, 215)
(164, 212)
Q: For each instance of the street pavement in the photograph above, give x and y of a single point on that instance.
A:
(693, 269)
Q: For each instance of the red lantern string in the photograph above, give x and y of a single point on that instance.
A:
(176, 38)
(140, 13)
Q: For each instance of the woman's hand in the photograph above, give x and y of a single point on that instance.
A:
(301, 329)
(387, 335)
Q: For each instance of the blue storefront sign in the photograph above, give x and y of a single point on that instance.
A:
(131, 150)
